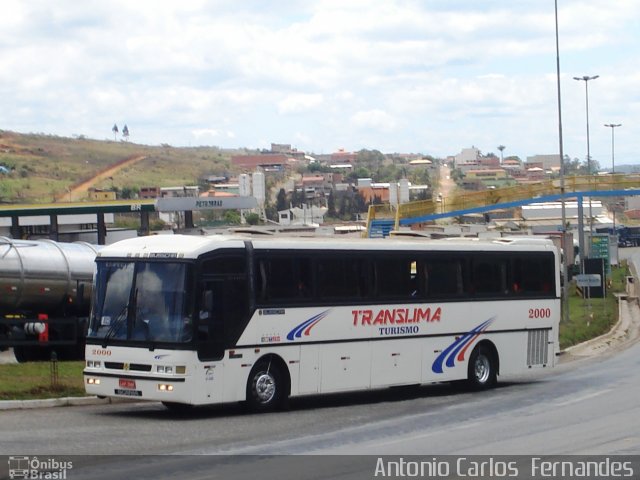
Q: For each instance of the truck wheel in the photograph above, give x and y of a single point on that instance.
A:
(21, 354)
(32, 354)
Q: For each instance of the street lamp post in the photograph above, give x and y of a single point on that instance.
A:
(613, 157)
(585, 79)
(613, 163)
(563, 228)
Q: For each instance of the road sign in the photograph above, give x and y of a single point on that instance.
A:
(599, 248)
(588, 280)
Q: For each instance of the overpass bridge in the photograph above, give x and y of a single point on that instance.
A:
(383, 218)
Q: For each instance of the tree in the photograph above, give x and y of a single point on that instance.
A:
(125, 133)
(579, 167)
(281, 200)
(270, 212)
(360, 203)
(331, 205)
(359, 172)
(316, 167)
(129, 192)
(420, 195)
(420, 176)
(344, 205)
(372, 157)
(457, 175)
(114, 129)
(296, 198)
(388, 173)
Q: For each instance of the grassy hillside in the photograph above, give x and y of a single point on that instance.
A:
(45, 166)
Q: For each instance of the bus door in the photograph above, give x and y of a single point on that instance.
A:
(211, 345)
(223, 315)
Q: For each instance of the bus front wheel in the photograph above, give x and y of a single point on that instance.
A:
(482, 371)
(265, 388)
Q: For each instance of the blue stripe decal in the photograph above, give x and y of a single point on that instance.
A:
(448, 355)
(297, 331)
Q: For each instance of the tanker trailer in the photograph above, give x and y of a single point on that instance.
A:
(45, 296)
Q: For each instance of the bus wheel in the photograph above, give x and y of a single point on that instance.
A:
(265, 388)
(481, 372)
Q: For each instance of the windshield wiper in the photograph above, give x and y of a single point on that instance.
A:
(113, 329)
(120, 319)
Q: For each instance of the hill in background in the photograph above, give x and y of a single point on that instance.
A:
(42, 167)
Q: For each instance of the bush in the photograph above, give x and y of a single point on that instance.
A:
(252, 218)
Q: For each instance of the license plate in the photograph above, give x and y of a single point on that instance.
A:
(128, 393)
(126, 383)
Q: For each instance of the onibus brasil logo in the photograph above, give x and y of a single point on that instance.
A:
(38, 468)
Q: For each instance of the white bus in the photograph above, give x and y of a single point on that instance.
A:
(189, 320)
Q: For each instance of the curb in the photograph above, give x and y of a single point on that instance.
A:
(620, 330)
(56, 402)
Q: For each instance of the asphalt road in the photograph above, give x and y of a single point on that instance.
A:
(583, 406)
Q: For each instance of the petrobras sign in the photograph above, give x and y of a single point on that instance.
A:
(181, 204)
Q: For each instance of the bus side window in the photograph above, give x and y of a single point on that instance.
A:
(395, 277)
(283, 279)
(443, 277)
(421, 280)
(261, 286)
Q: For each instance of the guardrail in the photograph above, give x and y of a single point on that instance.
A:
(453, 206)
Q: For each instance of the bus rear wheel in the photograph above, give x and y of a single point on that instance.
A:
(482, 371)
(265, 387)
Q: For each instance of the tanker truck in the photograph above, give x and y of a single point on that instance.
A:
(45, 296)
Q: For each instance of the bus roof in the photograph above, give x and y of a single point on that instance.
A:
(187, 246)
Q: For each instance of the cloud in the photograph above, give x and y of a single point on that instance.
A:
(300, 102)
(212, 133)
(374, 119)
(400, 75)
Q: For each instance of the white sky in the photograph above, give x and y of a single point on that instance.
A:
(429, 76)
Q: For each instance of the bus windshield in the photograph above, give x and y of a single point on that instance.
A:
(141, 301)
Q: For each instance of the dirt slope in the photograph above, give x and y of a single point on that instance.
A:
(79, 192)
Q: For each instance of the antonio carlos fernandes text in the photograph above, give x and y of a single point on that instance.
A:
(487, 467)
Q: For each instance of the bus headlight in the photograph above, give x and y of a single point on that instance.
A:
(170, 369)
(165, 387)
(93, 381)
(94, 363)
